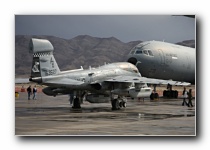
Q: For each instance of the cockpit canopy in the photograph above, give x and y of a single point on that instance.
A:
(129, 67)
(140, 50)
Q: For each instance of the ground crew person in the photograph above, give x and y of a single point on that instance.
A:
(34, 92)
(184, 94)
(29, 92)
(190, 98)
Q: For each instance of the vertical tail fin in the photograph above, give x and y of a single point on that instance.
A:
(44, 63)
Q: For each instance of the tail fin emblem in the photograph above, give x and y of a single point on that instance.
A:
(35, 67)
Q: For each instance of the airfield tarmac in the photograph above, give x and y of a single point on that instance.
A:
(54, 116)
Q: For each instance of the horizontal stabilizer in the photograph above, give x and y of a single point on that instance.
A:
(21, 80)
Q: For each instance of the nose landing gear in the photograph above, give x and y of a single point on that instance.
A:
(118, 103)
(154, 95)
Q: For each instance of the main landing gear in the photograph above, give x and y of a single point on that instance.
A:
(118, 103)
(76, 103)
(170, 93)
(154, 94)
(78, 99)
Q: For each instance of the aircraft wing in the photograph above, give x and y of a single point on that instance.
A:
(21, 80)
(133, 79)
(63, 82)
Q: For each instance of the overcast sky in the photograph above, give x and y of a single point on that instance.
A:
(125, 28)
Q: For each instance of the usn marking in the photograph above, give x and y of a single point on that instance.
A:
(50, 72)
(52, 62)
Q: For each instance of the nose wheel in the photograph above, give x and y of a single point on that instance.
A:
(118, 103)
(154, 96)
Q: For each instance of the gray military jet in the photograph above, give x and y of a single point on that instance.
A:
(115, 80)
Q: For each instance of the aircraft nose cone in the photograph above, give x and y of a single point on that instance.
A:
(132, 60)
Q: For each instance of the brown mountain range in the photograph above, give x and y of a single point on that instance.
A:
(82, 50)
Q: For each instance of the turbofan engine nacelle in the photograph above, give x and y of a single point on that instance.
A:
(101, 86)
(96, 86)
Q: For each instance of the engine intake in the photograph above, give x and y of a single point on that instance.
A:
(132, 60)
(96, 86)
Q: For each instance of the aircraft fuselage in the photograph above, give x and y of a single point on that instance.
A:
(93, 78)
(164, 61)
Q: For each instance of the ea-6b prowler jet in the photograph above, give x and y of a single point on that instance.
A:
(115, 80)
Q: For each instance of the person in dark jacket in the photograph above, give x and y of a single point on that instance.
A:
(184, 94)
(29, 92)
(190, 98)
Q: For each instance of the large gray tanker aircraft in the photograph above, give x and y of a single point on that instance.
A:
(114, 81)
(162, 60)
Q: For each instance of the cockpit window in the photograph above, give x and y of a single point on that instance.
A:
(145, 52)
(138, 52)
(150, 53)
(132, 52)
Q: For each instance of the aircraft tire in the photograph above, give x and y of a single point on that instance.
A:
(115, 104)
(156, 95)
(170, 94)
(167, 94)
(76, 103)
(152, 96)
(120, 104)
(176, 94)
(124, 104)
(164, 93)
